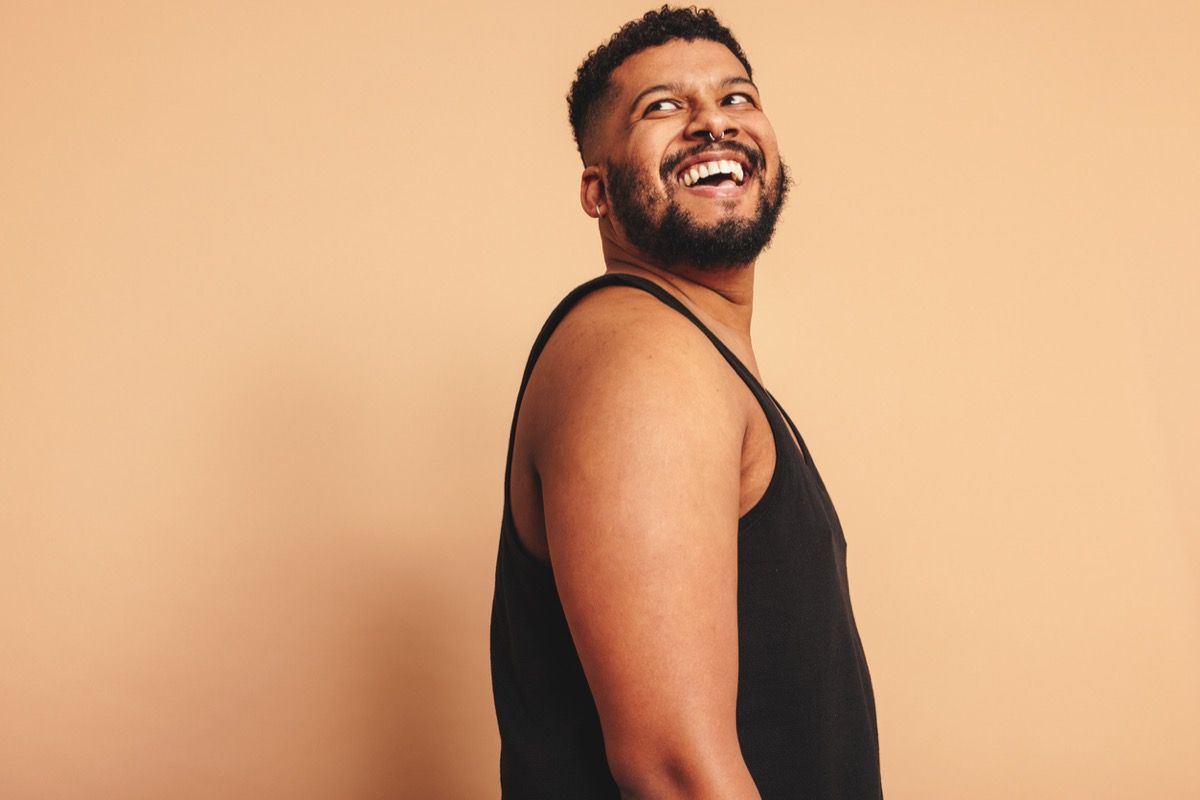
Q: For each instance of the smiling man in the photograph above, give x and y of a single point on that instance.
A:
(671, 615)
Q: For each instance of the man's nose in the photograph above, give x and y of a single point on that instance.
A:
(711, 123)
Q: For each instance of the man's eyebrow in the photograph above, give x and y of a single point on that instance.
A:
(678, 88)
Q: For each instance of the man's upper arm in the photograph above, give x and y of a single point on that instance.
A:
(638, 453)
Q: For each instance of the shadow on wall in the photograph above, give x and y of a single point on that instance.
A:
(332, 638)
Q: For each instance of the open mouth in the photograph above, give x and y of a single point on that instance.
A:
(714, 170)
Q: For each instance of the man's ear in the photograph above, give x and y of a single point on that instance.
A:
(592, 195)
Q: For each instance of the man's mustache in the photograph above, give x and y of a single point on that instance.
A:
(753, 157)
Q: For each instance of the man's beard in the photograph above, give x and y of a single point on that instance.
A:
(675, 237)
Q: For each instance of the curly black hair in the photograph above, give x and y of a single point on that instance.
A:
(592, 80)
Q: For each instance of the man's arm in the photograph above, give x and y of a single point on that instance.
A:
(638, 450)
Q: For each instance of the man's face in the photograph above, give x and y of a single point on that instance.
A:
(670, 102)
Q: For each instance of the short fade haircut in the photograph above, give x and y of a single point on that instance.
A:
(592, 86)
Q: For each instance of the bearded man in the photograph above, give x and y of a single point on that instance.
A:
(671, 616)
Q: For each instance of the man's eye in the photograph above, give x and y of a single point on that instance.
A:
(738, 99)
(662, 105)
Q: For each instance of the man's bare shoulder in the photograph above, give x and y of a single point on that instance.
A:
(626, 329)
(621, 351)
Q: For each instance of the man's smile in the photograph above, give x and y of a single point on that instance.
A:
(721, 173)
(713, 171)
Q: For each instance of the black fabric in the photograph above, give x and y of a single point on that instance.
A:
(805, 707)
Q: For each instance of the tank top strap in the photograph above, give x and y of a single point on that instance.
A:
(776, 416)
(615, 278)
(792, 425)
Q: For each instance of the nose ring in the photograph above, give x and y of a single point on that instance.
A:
(712, 137)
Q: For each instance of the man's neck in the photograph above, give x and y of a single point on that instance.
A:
(724, 296)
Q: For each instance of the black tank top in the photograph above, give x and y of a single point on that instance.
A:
(805, 708)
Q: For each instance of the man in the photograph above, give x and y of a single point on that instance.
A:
(671, 616)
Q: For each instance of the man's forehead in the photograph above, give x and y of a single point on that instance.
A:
(678, 62)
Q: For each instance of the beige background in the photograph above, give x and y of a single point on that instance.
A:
(268, 276)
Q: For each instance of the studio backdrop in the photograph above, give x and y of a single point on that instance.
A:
(268, 276)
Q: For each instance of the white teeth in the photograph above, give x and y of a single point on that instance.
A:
(708, 168)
